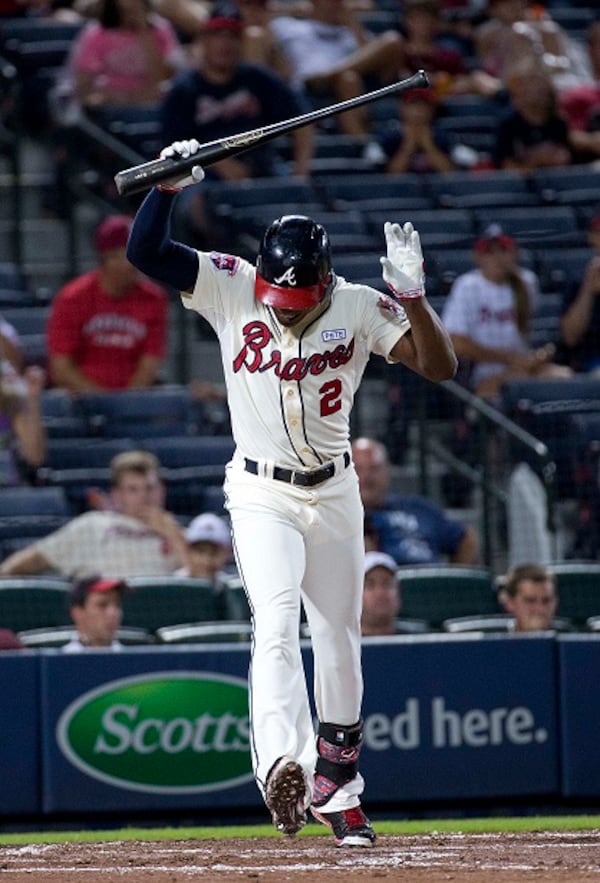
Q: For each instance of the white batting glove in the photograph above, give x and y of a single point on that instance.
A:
(403, 271)
(181, 150)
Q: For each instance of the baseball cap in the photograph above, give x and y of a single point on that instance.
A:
(493, 235)
(224, 17)
(84, 586)
(208, 528)
(112, 233)
(379, 559)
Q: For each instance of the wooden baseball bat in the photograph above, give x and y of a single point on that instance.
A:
(147, 174)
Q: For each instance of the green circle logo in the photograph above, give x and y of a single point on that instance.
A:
(166, 732)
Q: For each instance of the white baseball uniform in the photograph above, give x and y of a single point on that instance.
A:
(290, 395)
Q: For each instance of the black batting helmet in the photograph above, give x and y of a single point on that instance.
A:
(293, 267)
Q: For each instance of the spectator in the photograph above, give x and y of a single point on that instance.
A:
(186, 16)
(446, 68)
(519, 31)
(382, 598)
(221, 96)
(528, 593)
(136, 537)
(532, 133)
(343, 56)
(417, 146)
(580, 322)
(224, 96)
(259, 43)
(410, 528)
(124, 58)
(209, 547)
(22, 433)
(108, 328)
(581, 102)
(96, 608)
(487, 314)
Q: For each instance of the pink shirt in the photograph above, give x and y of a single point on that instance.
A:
(116, 55)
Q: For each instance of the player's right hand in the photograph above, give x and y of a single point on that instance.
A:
(181, 150)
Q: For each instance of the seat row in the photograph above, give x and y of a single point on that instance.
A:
(436, 598)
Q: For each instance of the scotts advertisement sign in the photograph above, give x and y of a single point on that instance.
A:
(164, 732)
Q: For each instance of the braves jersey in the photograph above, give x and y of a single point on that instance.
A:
(291, 389)
(109, 543)
(485, 312)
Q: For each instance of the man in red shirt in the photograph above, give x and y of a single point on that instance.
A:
(108, 328)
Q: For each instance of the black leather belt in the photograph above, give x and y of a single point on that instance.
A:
(297, 477)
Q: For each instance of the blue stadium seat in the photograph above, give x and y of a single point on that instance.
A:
(533, 225)
(545, 408)
(442, 228)
(140, 413)
(466, 189)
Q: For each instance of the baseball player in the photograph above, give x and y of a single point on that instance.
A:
(295, 340)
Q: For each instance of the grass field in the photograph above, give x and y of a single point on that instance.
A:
(466, 826)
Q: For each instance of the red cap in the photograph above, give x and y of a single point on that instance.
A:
(224, 17)
(494, 235)
(113, 233)
(85, 586)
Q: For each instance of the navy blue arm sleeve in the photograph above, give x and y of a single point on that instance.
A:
(151, 249)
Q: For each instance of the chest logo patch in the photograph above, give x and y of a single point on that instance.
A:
(289, 276)
(334, 334)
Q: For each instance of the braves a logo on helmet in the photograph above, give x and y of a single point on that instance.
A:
(227, 262)
(289, 277)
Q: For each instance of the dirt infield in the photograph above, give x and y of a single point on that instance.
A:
(557, 857)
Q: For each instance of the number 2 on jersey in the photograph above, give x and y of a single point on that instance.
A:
(331, 397)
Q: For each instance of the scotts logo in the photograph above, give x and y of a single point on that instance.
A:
(165, 732)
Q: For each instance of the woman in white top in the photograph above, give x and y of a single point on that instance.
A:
(487, 315)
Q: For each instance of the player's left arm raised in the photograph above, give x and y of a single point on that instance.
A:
(427, 348)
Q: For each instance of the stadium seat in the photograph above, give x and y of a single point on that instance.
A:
(154, 602)
(377, 191)
(138, 414)
(560, 268)
(27, 319)
(442, 228)
(258, 191)
(34, 602)
(578, 585)
(235, 602)
(58, 636)
(495, 622)
(567, 185)
(32, 512)
(466, 189)
(59, 417)
(437, 593)
(206, 633)
(530, 225)
(544, 408)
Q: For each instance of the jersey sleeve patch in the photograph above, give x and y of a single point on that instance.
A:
(227, 262)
